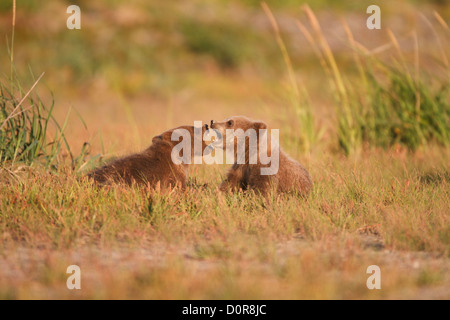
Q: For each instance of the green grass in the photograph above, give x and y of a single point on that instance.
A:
(218, 41)
(24, 123)
(391, 102)
(406, 113)
(25, 120)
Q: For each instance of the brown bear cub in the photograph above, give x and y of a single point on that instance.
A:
(291, 176)
(152, 165)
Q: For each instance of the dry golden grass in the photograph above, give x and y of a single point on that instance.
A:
(384, 208)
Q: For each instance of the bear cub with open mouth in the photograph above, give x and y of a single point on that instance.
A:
(152, 165)
(291, 176)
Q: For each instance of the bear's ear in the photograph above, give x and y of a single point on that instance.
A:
(157, 139)
(165, 136)
(259, 125)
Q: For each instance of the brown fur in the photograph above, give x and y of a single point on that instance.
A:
(291, 175)
(150, 166)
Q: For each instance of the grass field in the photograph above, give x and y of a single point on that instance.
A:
(367, 112)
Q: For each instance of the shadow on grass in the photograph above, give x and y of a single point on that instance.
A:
(435, 177)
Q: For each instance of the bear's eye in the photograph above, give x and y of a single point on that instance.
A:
(230, 123)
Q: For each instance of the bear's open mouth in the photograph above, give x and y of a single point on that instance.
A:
(214, 137)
